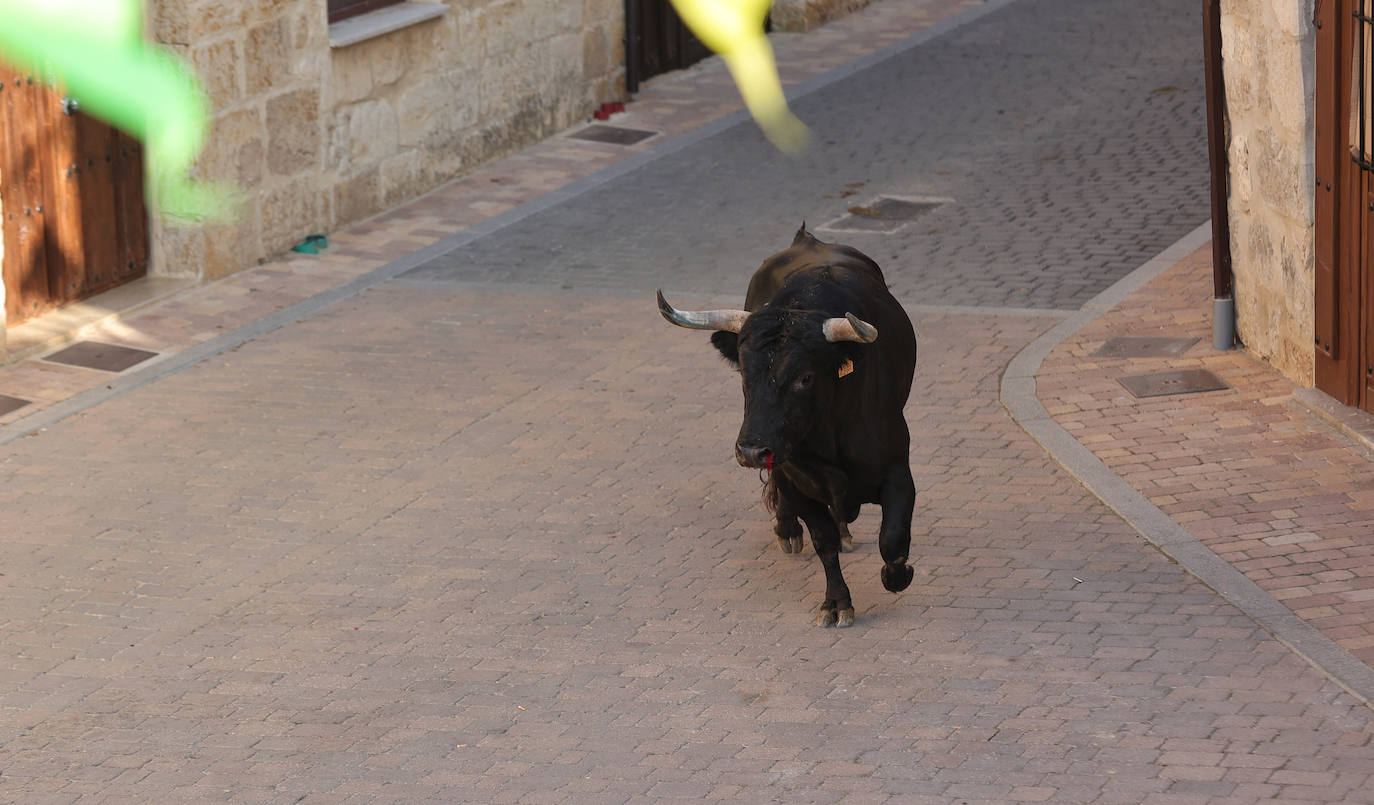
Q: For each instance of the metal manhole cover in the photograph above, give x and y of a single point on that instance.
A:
(8, 404)
(1162, 384)
(105, 357)
(615, 135)
(1144, 347)
(886, 214)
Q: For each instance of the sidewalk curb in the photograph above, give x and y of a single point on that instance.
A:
(1018, 392)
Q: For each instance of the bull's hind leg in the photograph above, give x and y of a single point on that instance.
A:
(787, 528)
(827, 482)
(846, 539)
(789, 532)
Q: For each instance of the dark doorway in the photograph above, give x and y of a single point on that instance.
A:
(656, 41)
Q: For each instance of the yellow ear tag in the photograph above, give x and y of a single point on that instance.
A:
(847, 367)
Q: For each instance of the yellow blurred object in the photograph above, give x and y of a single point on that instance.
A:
(734, 29)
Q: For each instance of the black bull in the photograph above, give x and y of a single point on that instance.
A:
(827, 357)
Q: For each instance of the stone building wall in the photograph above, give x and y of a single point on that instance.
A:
(1269, 63)
(320, 136)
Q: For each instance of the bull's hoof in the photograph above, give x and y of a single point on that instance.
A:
(839, 618)
(790, 544)
(897, 577)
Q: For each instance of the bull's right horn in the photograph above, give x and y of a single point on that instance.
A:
(729, 320)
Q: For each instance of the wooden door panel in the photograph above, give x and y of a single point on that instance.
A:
(1344, 52)
(1357, 275)
(131, 216)
(93, 182)
(25, 270)
(1329, 171)
(74, 215)
(66, 250)
(1362, 323)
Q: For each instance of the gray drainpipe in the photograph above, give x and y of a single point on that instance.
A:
(1223, 293)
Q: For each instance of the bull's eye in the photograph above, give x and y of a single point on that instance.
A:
(804, 382)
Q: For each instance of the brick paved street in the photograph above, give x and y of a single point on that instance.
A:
(1072, 167)
(455, 563)
(474, 536)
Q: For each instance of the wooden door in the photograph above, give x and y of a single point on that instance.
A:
(1344, 282)
(71, 193)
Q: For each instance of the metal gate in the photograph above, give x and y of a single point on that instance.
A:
(71, 192)
(1344, 292)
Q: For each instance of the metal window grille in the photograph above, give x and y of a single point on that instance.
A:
(343, 9)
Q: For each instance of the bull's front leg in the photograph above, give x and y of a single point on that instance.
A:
(838, 608)
(894, 536)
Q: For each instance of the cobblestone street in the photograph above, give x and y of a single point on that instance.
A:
(475, 533)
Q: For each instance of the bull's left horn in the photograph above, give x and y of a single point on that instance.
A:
(850, 328)
(730, 320)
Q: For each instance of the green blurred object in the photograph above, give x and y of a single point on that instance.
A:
(311, 245)
(94, 51)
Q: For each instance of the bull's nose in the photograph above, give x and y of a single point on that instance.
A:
(750, 455)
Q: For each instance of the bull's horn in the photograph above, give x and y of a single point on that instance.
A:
(850, 328)
(731, 320)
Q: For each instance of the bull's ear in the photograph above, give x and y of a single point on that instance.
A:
(728, 344)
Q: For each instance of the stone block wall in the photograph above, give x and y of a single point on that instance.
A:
(319, 136)
(1269, 62)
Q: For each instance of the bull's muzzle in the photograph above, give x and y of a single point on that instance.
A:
(753, 456)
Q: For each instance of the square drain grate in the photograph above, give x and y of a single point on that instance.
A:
(1163, 384)
(615, 135)
(8, 404)
(1144, 347)
(105, 357)
(887, 214)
